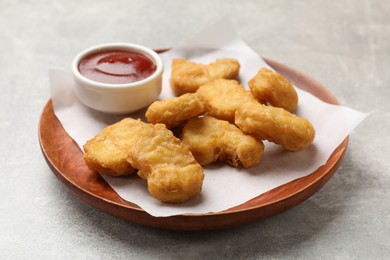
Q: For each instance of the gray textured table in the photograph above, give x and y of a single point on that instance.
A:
(343, 44)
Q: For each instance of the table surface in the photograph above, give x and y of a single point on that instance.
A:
(342, 44)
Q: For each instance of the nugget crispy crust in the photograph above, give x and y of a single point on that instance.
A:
(174, 111)
(170, 169)
(271, 87)
(187, 76)
(276, 125)
(210, 140)
(223, 97)
(103, 156)
(224, 69)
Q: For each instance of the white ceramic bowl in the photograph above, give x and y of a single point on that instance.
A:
(118, 98)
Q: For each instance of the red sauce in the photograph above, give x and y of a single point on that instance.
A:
(117, 66)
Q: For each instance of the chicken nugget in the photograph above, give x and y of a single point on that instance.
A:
(210, 139)
(272, 88)
(224, 69)
(171, 171)
(103, 156)
(174, 111)
(223, 97)
(187, 76)
(276, 125)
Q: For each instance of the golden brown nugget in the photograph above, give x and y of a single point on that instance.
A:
(275, 125)
(171, 171)
(103, 156)
(223, 97)
(174, 111)
(224, 69)
(187, 76)
(271, 87)
(210, 140)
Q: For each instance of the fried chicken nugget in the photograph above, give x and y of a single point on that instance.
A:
(224, 69)
(271, 87)
(223, 97)
(172, 173)
(103, 156)
(174, 111)
(187, 76)
(210, 139)
(276, 125)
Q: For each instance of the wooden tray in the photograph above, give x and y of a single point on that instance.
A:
(65, 159)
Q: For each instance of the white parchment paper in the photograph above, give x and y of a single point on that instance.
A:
(224, 186)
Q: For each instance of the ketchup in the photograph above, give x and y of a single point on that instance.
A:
(117, 66)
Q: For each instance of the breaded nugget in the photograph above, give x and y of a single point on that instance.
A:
(224, 69)
(210, 139)
(276, 125)
(271, 87)
(103, 156)
(187, 76)
(174, 111)
(170, 169)
(223, 97)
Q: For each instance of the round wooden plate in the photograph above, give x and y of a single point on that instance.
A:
(65, 159)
